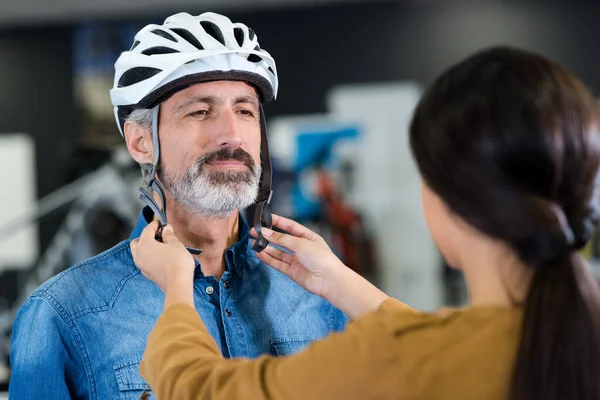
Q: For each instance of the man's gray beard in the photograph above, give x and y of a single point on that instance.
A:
(215, 194)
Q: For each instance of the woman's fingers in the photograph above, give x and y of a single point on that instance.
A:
(289, 242)
(273, 262)
(293, 228)
(279, 254)
(149, 231)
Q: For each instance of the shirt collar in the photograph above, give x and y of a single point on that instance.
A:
(236, 254)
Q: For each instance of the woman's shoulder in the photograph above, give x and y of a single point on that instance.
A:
(446, 350)
(406, 318)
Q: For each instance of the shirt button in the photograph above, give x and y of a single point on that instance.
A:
(210, 290)
(228, 312)
(226, 284)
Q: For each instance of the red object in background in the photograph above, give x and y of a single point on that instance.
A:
(349, 233)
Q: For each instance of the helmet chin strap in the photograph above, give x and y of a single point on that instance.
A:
(262, 208)
(146, 196)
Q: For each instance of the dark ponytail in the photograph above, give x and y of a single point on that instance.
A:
(558, 355)
(559, 350)
(511, 142)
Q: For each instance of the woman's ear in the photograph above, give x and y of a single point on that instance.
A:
(139, 142)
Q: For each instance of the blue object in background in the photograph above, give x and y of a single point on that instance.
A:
(315, 149)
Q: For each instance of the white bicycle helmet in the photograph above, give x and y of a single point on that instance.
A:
(186, 50)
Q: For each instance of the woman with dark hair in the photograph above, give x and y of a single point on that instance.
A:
(508, 146)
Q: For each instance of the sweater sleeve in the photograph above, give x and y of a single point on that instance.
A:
(182, 361)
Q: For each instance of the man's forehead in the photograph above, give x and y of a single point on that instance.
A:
(214, 92)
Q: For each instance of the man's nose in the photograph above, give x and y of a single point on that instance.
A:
(228, 131)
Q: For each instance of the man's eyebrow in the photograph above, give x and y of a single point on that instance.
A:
(213, 100)
(197, 99)
(247, 99)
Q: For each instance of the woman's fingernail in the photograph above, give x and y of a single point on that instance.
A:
(266, 232)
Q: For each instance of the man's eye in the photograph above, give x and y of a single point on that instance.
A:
(246, 112)
(198, 113)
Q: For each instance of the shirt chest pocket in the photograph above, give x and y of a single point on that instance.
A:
(131, 384)
(290, 345)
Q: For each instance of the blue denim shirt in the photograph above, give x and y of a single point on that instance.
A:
(81, 335)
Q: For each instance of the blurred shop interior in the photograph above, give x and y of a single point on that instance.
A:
(351, 72)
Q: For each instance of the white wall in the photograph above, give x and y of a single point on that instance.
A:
(389, 188)
(19, 245)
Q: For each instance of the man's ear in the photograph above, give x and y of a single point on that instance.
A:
(139, 142)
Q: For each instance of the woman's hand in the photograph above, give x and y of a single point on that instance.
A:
(168, 264)
(304, 256)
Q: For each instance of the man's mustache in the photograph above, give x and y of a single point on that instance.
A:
(227, 155)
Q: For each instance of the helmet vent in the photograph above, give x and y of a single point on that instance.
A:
(159, 50)
(239, 36)
(135, 44)
(254, 57)
(137, 74)
(164, 34)
(213, 30)
(184, 33)
(251, 34)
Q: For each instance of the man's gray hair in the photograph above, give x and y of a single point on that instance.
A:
(143, 117)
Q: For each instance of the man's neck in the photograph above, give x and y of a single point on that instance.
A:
(212, 236)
